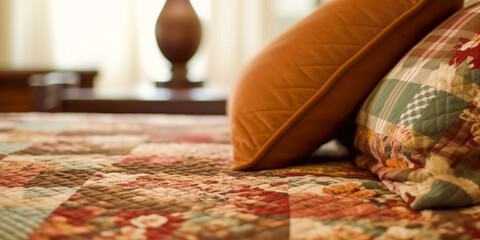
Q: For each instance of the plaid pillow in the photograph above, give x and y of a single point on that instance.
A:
(419, 130)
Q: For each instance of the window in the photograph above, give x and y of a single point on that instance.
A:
(117, 36)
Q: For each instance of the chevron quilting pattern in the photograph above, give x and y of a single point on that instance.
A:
(292, 84)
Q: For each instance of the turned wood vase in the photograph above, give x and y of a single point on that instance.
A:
(178, 33)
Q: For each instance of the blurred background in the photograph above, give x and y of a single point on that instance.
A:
(117, 38)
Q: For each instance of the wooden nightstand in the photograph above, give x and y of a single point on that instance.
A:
(16, 93)
(204, 100)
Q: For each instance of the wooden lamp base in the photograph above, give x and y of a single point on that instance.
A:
(178, 33)
(179, 78)
(178, 85)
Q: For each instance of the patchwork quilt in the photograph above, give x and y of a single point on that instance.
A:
(93, 176)
(419, 130)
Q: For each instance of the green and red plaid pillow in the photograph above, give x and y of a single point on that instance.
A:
(419, 130)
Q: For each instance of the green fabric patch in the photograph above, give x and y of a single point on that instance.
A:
(19, 223)
(473, 76)
(440, 115)
(373, 185)
(382, 97)
(9, 148)
(396, 93)
(410, 62)
(467, 173)
(442, 194)
(53, 127)
(433, 64)
(39, 192)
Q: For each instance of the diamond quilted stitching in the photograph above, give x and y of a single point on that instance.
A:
(76, 162)
(34, 197)
(123, 198)
(65, 178)
(70, 148)
(8, 148)
(185, 151)
(439, 115)
(458, 143)
(207, 169)
(326, 198)
(19, 223)
(16, 178)
(39, 126)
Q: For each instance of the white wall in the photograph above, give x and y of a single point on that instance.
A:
(117, 36)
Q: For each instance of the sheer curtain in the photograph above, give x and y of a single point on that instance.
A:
(5, 8)
(241, 28)
(117, 37)
(28, 33)
(237, 32)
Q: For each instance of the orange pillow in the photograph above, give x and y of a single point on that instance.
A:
(299, 90)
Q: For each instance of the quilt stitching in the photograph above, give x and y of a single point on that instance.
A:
(181, 187)
(430, 156)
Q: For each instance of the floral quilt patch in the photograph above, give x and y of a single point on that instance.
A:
(168, 177)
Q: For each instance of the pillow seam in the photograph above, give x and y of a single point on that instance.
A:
(300, 113)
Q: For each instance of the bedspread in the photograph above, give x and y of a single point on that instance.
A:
(93, 176)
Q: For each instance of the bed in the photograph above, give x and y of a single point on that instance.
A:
(99, 176)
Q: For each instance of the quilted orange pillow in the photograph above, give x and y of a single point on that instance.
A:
(298, 91)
